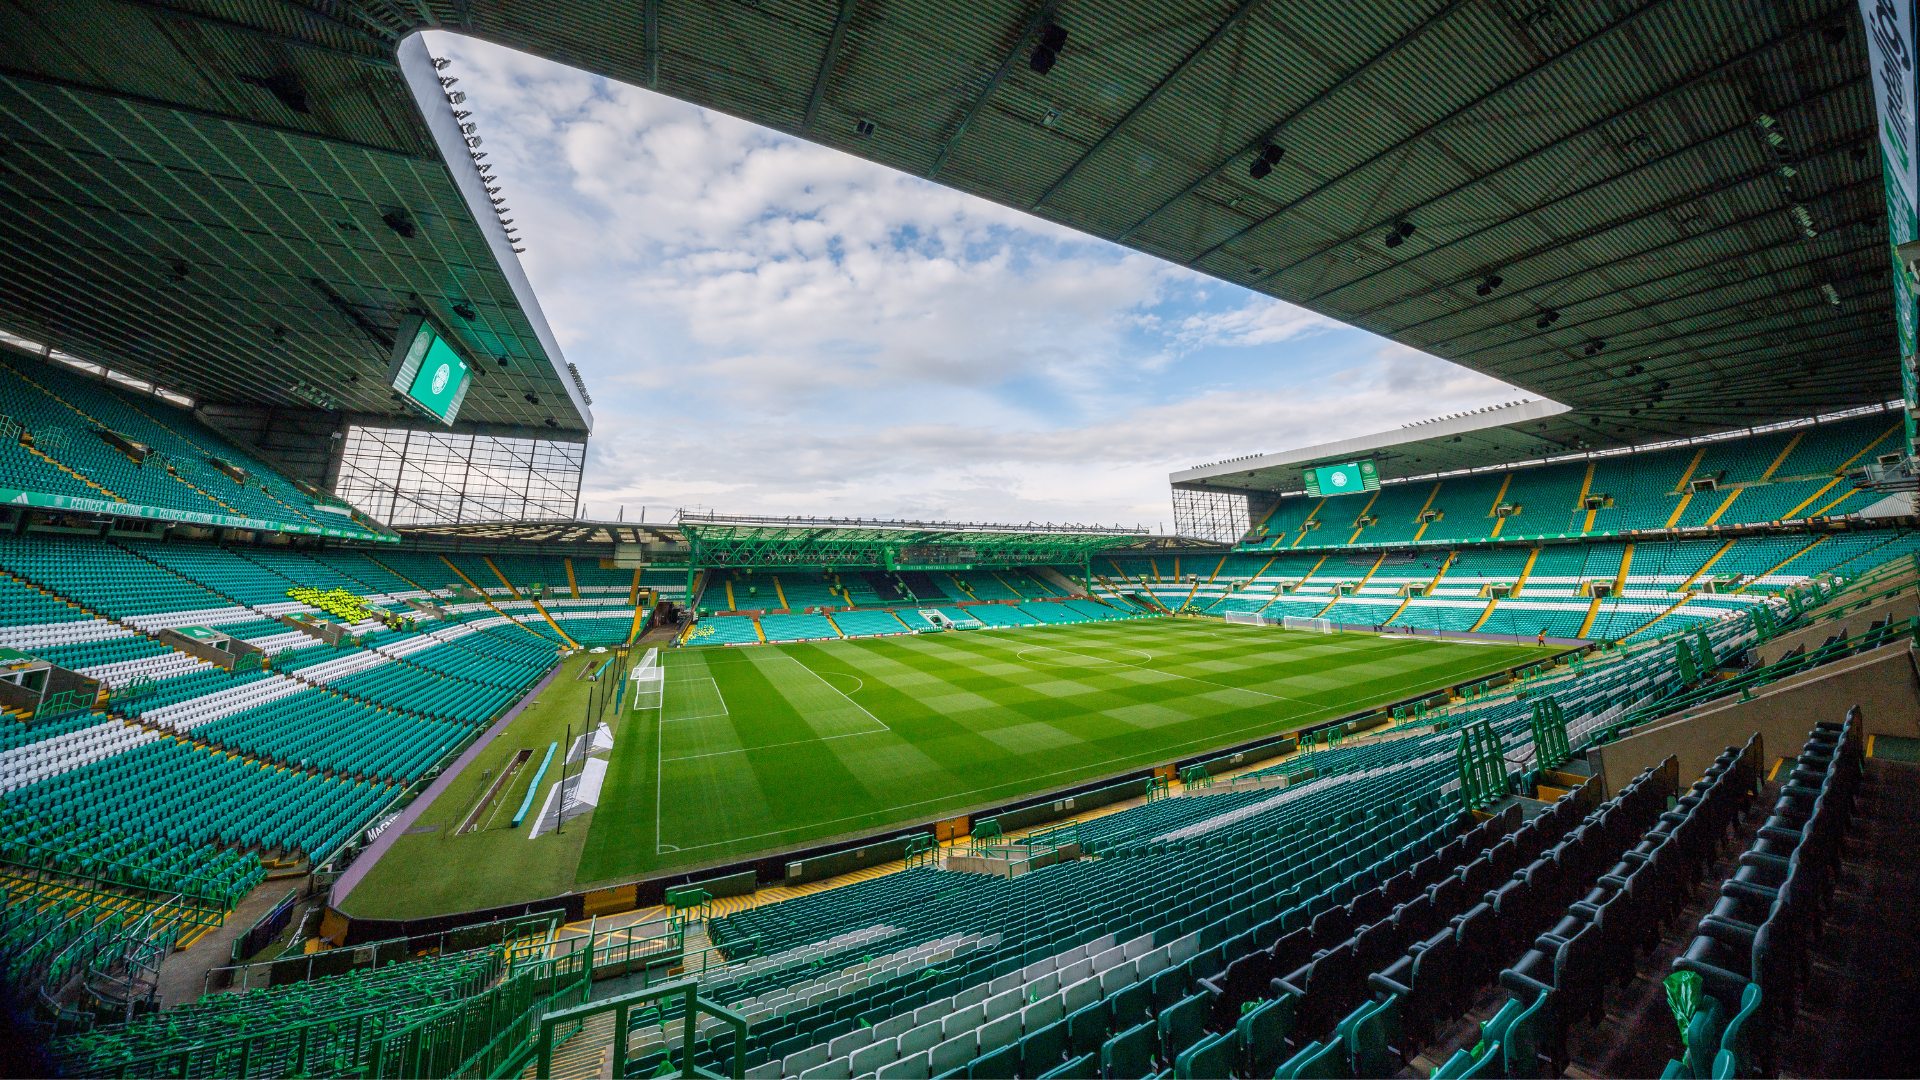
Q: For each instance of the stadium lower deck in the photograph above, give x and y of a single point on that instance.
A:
(1455, 882)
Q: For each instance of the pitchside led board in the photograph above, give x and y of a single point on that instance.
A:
(1348, 479)
(428, 371)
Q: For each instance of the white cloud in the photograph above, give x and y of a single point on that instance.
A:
(1261, 320)
(771, 326)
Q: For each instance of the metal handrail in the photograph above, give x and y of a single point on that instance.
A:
(692, 1005)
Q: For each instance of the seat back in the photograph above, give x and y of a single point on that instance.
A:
(1263, 1033)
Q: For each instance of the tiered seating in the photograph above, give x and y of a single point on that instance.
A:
(866, 623)
(1001, 615)
(723, 630)
(797, 627)
(1646, 489)
(63, 409)
(109, 579)
(1751, 949)
(923, 586)
(192, 795)
(986, 585)
(396, 989)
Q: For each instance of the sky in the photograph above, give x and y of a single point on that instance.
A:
(768, 326)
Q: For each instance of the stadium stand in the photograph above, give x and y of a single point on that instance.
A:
(1774, 476)
(93, 441)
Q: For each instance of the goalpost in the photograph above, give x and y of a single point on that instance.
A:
(1250, 618)
(649, 681)
(1315, 626)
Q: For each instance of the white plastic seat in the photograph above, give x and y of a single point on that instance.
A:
(912, 1067)
(924, 1037)
(961, 1020)
(953, 1053)
(833, 1070)
(1000, 1005)
(998, 1033)
(872, 1056)
(848, 1043)
(1043, 1012)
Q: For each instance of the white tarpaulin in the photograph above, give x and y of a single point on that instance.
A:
(582, 795)
(602, 742)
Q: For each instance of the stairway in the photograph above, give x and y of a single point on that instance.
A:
(585, 1055)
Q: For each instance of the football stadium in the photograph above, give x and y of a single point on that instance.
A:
(1576, 735)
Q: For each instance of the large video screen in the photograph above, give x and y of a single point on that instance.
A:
(1348, 479)
(429, 372)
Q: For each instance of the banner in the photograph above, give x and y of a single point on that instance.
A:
(43, 501)
(1889, 29)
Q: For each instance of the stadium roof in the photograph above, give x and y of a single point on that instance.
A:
(1493, 438)
(711, 528)
(549, 531)
(1666, 214)
(240, 201)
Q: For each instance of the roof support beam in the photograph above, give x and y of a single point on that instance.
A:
(1372, 63)
(1715, 187)
(1833, 227)
(828, 59)
(1198, 53)
(650, 19)
(980, 100)
(1624, 339)
(1427, 130)
(384, 61)
(1673, 90)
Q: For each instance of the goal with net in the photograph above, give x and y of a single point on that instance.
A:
(649, 681)
(1250, 618)
(1316, 626)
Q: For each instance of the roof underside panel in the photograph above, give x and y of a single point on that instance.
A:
(1666, 214)
(195, 201)
(1632, 172)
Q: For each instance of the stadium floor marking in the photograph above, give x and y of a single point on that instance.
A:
(1161, 752)
(844, 675)
(770, 746)
(823, 682)
(1189, 678)
(724, 711)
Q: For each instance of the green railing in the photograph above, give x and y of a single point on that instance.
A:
(692, 1006)
(1483, 771)
(1745, 685)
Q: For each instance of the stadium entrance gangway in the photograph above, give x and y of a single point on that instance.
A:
(622, 1007)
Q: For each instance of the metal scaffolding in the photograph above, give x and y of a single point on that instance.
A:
(1210, 515)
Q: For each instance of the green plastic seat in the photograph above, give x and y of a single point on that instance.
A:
(1002, 1064)
(1737, 1038)
(1084, 1067)
(1371, 1036)
(1182, 1025)
(1043, 1050)
(1464, 1064)
(1527, 1037)
(1315, 1061)
(1088, 1027)
(1213, 1056)
(1263, 1031)
(1129, 1053)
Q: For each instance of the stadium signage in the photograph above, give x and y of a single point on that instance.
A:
(1348, 479)
(44, 501)
(428, 371)
(1889, 28)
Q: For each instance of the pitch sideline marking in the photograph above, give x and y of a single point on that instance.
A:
(842, 693)
(659, 774)
(1189, 678)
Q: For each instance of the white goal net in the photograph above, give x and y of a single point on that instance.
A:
(1251, 618)
(649, 681)
(1316, 626)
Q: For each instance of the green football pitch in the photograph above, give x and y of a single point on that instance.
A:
(760, 748)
